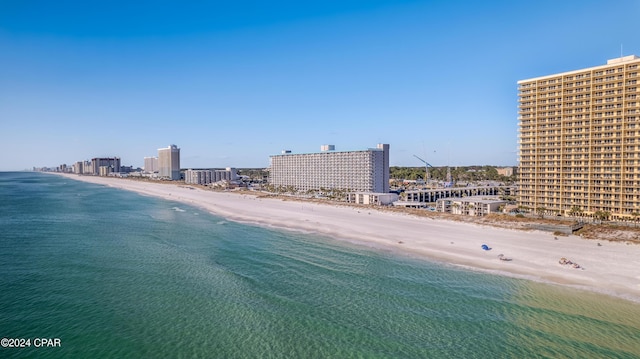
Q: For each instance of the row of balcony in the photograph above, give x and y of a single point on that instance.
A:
(581, 99)
(584, 77)
(597, 83)
(629, 101)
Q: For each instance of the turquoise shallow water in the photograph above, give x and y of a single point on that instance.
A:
(116, 275)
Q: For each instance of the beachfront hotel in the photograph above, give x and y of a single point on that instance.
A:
(103, 166)
(355, 171)
(579, 141)
(169, 162)
(150, 164)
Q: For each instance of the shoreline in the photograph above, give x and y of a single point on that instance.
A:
(608, 269)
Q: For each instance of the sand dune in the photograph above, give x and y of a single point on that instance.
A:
(611, 268)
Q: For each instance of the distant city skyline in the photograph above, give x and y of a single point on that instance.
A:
(232, 84)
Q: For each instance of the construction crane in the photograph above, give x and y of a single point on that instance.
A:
(427, 177)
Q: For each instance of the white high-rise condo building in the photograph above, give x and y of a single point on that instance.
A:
(112, 163)
(78, 167)
(579, 141)
(151, 164)
(169, 162)
(355, 171)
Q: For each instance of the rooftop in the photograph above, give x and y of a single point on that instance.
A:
(618, 60)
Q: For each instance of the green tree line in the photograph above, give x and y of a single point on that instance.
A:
(467, 173)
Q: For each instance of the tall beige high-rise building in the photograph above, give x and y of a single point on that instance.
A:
(151, 164)
(169, 162)
(579, 140)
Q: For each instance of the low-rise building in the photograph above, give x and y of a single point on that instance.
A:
(205, 177)
(422, 197)
(381, 199)
(470, 206)
(104, 170)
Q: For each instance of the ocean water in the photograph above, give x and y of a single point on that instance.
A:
(113, 274)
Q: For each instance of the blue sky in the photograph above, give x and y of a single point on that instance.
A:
(231, 83)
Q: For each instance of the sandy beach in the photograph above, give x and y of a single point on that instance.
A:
(610, 268)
